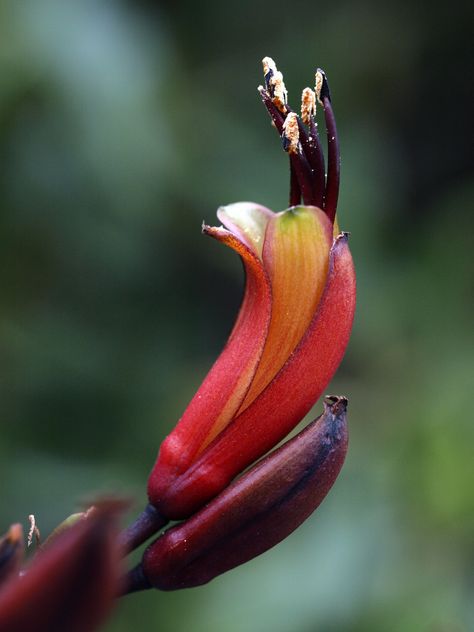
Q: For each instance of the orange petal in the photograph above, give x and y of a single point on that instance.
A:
(296, 256)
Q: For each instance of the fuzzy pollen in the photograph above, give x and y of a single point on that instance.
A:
(308, 105)
(269, 69)
(275, 84)
(291, 134)
(319, 79)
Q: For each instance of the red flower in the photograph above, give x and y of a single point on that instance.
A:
(292, 328)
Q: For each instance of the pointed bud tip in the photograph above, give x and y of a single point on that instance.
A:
(210, 231)
(343, 237)
(337, 404)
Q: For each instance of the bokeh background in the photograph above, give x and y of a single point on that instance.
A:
(122, 126)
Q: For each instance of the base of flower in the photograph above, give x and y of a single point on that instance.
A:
(135, 581)
(146, 524)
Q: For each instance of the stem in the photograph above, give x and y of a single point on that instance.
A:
(135, 581)
(146, 524)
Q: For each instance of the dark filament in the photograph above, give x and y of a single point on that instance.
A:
(334, 158)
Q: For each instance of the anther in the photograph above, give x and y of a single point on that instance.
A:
(33, 532)
(275, 84)
(291, 134)
(269, 69)
(323, 86)
(308, 105)
(319, 80)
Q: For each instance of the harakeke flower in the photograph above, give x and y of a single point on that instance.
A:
(293, 325)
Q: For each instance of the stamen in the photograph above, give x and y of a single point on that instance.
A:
(334, 159)
(291, 135)
(280, 94)
(318, 84)
(299, 163)
(33, 532)
(269, 69)
(308, 105)
(275, 84)
(295, 189)
(301, 139)
(275, 114)
(312, 146)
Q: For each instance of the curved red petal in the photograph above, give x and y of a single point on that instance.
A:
(284, 402)
(224, 388)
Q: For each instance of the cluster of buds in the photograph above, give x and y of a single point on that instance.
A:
(232, 498)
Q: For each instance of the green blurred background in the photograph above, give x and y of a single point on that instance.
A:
(122, 126)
